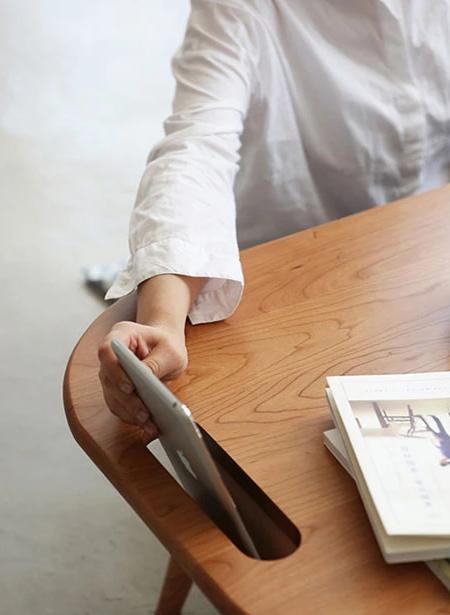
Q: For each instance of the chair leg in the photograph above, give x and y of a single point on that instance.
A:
(176, 586)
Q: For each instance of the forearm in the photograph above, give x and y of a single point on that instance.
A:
(166, 300)
(184, 219)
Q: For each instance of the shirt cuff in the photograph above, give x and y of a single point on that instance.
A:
(218, 298)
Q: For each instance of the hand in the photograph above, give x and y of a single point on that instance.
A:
(161, 348)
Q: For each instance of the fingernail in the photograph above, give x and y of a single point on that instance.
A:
(142, 416)
(126, 387)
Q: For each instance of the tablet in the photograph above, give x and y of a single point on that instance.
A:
(186, 448)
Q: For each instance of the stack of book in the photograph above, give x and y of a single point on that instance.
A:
(393, 436)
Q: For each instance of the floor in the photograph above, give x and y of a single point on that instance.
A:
(83, 90)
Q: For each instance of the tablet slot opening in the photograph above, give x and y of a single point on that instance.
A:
(274, 534)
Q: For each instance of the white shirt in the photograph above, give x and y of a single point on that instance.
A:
(288, 113)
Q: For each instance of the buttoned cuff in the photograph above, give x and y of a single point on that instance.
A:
(218, 298)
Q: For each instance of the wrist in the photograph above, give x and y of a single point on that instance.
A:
(165, 300)
(165, 320)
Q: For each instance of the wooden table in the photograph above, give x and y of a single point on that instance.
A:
(368, 294)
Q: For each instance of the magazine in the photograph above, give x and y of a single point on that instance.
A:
(334, 443)
(396, 430)
(395, 548)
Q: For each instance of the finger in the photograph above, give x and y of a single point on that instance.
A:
(110, 367)
(127, 406)
(134, 414)
(131, 407)
(142, 348)
(117, 409)
(116, 379)
(151, 430)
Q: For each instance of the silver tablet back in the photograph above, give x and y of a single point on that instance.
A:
(184, 445)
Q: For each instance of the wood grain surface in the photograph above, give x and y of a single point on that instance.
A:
(368, 294)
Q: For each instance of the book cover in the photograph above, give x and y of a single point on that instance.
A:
(397, 427)
(395, 549)
(334, 443)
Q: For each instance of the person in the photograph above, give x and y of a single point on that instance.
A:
(287, 113)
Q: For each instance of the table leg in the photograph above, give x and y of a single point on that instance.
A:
(174, 591)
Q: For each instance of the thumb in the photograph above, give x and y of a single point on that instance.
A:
(165, 362)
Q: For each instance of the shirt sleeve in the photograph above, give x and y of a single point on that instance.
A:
(184, 219)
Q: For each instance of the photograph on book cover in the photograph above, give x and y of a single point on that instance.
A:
(408, 442)
(427, 420)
